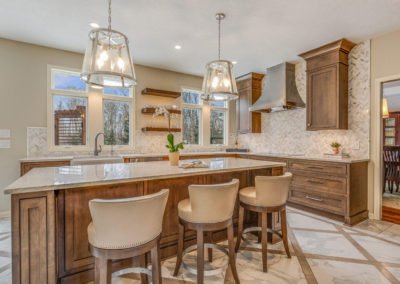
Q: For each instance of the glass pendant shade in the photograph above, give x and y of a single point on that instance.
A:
(107, 61)
(219, 82)
(385, 110)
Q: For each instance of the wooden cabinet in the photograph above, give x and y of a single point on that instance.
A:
(249, 89)
(332, 189)
(327, 87)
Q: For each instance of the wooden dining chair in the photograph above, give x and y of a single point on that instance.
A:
(391, 166)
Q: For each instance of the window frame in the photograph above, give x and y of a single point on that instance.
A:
(205, 114)
(94, 114)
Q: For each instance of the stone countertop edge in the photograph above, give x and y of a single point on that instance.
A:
(15, 189)
(300, 157)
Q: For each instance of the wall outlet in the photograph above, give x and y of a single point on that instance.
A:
(356, 145)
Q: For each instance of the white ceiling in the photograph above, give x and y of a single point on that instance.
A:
(256, 33)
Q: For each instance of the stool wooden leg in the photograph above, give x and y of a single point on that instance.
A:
(156, 264)
(284, 233)
(143, 263)
(180, 249)
(102, 274)
(209, 252)
(232, 260)
(240, 228)
(264, 240)
(259, 225)
(200, 257)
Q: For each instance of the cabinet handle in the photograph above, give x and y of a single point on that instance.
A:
(314, 198)
(316, 168)
(308, 124)
(314, 181)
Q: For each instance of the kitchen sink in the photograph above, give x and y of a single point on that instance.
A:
(94, 160)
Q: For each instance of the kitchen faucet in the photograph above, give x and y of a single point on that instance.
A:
(97, 151)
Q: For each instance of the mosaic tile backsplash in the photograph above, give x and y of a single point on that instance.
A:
(285, 132)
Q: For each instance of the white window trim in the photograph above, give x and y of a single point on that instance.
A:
(205, 112)
(95, 115)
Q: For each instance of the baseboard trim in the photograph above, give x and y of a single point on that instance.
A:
(5, 214)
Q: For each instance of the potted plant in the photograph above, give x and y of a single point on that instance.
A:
(335, 147)
(173, 150)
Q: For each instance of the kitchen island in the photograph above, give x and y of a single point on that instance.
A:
(50, 212)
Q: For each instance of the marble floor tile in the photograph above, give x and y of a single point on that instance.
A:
(382, 251)
(301, 221)
(373, 226)
(395, 271)
(328, 271)
(329, 244)
(281, 269)
(391, 234)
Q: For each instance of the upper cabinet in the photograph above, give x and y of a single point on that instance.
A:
(249, 89)
(327, 88)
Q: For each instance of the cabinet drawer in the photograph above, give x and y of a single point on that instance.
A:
(327, 184)
(319, 167)
(318, 200)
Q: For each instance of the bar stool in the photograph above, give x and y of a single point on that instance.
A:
(209, 208)
(269, 195)
(126, 228)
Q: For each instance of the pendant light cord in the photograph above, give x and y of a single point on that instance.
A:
(109, 15)
(219, 38)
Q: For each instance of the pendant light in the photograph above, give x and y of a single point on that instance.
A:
(219, 82)
(107, 61)
(385, 110)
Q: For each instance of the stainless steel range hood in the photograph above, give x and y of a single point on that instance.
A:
(280, 92)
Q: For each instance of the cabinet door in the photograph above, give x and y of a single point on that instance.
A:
(322, 99)
(243, 119)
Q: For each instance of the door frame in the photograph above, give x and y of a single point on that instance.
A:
(376, 143)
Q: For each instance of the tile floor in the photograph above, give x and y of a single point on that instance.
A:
(323, 251)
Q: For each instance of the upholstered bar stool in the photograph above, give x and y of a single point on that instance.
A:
(126, 228)
(209, 208)
(268, 196)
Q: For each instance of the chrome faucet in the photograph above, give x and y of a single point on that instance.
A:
(97, 151)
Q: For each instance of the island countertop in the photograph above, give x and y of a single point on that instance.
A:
(55, 178)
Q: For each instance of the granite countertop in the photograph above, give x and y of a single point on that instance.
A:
(54, 178)
(186, 154)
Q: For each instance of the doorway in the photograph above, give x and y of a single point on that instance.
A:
(391, 151)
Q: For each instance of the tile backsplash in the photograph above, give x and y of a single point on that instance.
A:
(285, 132)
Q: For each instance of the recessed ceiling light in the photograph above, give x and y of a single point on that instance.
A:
(178, 47)
(94, 25)
(234, 62)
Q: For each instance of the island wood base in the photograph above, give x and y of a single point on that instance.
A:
(49, 228)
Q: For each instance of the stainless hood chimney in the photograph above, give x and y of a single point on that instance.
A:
(280, 92)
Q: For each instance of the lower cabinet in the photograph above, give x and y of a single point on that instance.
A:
(333, 189)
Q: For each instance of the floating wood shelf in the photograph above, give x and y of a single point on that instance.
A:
(160, 93)
(151, 110)
(144, 129)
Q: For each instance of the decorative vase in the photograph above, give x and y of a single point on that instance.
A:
(335, 150)
(174, 158)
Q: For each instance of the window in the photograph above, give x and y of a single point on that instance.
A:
(78, 112)
(117, 113)
(69, 108)
(217, 127)
(203, 123)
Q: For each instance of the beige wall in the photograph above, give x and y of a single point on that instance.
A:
(23, 94)
(385, 65)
